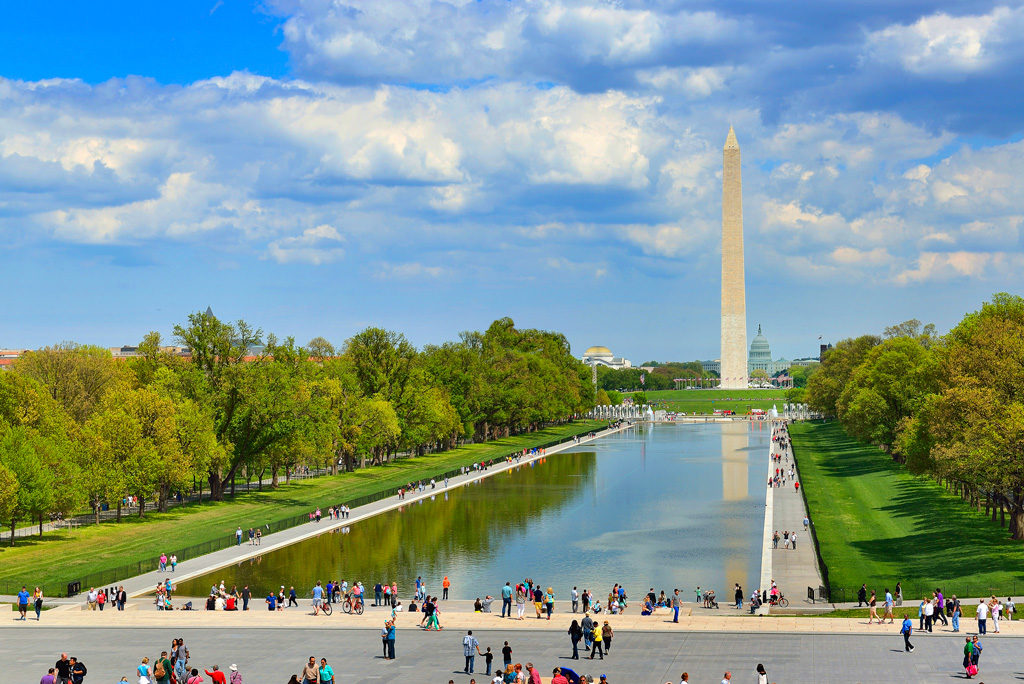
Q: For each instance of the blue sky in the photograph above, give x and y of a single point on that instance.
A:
(316, 166)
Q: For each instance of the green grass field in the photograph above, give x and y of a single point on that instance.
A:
(879, 524)
(707, 401)
(63, 556)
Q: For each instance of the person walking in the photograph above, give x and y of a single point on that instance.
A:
(23, 602)
(606, 637)
(326, 672)
(762, 675)
(470, 649)
(238, 537)
(976, 648)
(928, 609)
(956, 615)
(888, 606)
(63, 668)
(873, 609)
(862, 594)
(587, 625)
(575, 597)
(390, 625)
(982, 615)
(310, 672)
(675, 606)
(37, 602)
(737, 595)
(575, 634)
(598, 641)
(506, 655)
(906, 630)
(549, 603)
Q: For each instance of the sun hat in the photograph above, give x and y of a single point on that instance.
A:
(233, 668)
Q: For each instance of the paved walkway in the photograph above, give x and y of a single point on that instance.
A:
(193, 567)
(793, 569)
(271, 657)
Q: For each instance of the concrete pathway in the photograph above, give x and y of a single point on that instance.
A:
(793, 569)
(193, 567)
(270, 657)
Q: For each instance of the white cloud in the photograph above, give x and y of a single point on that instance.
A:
(409, 270)
(938, 266)
(950, 47)
(318, 245)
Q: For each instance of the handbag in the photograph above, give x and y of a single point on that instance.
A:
(972, 670)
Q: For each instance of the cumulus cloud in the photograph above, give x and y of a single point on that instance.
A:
(318, 245)
(950, 47)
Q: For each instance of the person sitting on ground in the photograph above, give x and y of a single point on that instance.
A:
(648, 608)
(211, 603)
(477, 606)
(486, 603)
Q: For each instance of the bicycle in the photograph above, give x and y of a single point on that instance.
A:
(326, 608)
(349, 606)
(780, 601)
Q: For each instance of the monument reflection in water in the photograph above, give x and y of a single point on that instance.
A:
(665, 506)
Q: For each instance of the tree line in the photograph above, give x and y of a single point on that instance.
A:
(81, 428)
(949, 406)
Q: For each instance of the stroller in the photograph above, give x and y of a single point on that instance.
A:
(709, 599)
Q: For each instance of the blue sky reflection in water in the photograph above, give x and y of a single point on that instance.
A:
(668, 506)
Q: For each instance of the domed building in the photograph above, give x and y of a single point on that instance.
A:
(760, 356)
(602, 356)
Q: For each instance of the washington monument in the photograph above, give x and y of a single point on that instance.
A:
(734, 301)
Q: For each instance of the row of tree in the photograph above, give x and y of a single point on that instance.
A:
(661, 377)
(949, 406)
(79, 427)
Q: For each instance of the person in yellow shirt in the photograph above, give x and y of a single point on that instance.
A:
(597, 647)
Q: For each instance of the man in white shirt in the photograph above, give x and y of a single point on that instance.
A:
(929, 611)
(982, 616)
(792, 539)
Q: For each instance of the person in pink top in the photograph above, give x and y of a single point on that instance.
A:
(557, 677)
(163, 562)
(534, 674)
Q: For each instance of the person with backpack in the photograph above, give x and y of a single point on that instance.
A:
(78, 670)
(162, 669)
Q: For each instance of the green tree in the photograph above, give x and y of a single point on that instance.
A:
(21, 453)
(826, 385)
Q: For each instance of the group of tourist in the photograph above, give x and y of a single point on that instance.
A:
(788, 538)
(172, 561)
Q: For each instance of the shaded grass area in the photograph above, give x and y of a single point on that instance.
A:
(879, 524)
(707, 401)
(59, 557)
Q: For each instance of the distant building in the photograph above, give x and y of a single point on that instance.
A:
(760, 357)
(602, 356)
(712, 366)
(9, 356)
(129, 351)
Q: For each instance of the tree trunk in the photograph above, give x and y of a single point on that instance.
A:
(262, 470)
(14, 521)
(287, 474)
(164, 493)
(232, 485)
(118, 510)
(96, 510)
(40, 524)
(216, 486)
(142, 506)
(273, 477)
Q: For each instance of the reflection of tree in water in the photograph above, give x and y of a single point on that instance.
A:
(429, 538)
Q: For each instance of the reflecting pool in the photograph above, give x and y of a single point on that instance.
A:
(660, 505)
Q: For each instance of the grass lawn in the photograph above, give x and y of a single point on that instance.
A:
(707, 401)
(879, 524)
(67, 555)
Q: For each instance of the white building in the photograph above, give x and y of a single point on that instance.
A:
(602, 356)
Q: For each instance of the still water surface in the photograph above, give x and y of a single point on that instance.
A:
(664, 505)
